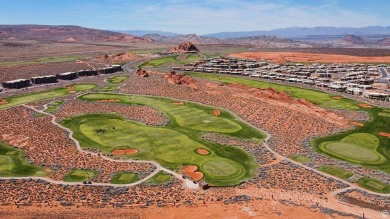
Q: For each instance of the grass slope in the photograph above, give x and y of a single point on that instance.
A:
(14, 163)
(320, 98)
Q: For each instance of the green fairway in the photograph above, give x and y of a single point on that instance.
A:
(374, 185)
(171, 59)
(125, 178)
(32, 97)
(14, 163)
(336, 171)
(173, 145)
(42, 60)
(300, 158)
(320, 98)
(160, 178)
(79, 175)
(117, 79)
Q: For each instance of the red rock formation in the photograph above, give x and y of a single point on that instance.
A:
(142, 73)
(174, 78)
(185, 47)
(121, 57)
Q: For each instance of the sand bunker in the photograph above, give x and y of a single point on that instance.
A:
(384, 134)
(206, 121)
(125, 151)
(364, 105)
(178, 103)
(202, 151)
(216, 113)
(357, 124)
(191, 172)
(337, 97)
(108, 101)
(280, 57)
(3, 102)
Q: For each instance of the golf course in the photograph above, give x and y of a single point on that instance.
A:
(174, 145)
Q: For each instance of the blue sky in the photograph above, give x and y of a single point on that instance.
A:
(197, 16)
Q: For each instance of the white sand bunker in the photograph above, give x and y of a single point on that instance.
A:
(206, 121)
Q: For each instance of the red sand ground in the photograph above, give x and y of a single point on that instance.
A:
(178, 103)
(191, 172)
(364, 105)
(109, 101)
(385, 134)
(260, 209)
(202, 151)
(337, 97)
(357, 124)
(216, 113)
(125, 151)
(3, 102)
(280, 57)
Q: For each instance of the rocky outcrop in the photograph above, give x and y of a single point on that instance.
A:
(121, 57)
(180, 79)
(185, 47)
(142, 73)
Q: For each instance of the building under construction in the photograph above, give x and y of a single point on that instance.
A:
(44, 79)
(67, 75)
(17, 84)
(111, 69)
(90, 72)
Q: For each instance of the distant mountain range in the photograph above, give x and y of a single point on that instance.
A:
(146, 32)
(256, 41)
(64, 33)
(373, 36)
(295, 37)
(304, 32)
(289, 33)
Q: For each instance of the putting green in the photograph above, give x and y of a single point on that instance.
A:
(357, 148)
(160, 178)
(175, 144)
